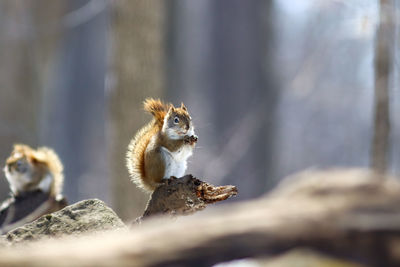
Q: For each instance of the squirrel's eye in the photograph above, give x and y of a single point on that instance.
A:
(20, 166)
(19, 163)
(176, 120)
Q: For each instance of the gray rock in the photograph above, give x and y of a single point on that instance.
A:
(90, 215)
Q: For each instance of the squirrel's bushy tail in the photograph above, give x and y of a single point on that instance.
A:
(138, 145)
(135, 156)
(157, 108)
(56, 168)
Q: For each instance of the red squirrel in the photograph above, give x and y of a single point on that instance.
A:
(161, 148)
(28, 170)
(35, 177)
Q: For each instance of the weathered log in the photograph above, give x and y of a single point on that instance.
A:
(349, 214)
(185, 196)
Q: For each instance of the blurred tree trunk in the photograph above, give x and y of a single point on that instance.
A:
(74, 102)
(136, 73)
(383, 61)
(220, 58)
(25, 49)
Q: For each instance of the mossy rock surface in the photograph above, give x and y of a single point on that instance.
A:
(86, 216)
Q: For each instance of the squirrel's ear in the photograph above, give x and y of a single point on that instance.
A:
(171, 109)
(34, 160)
(183, 106)
(37, 157)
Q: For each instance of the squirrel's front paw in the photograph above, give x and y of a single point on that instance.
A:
(190, 139)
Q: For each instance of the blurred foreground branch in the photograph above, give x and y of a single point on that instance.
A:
(344, 213)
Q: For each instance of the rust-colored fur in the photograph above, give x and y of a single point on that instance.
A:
(156, 108)
(43, 160)
(144, 158)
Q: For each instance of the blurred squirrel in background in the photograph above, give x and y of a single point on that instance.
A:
(161, 148)
(36, 179)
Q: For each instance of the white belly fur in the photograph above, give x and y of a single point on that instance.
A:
(175, 162)
(18, 181)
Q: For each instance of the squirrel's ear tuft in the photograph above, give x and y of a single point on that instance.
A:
(38, 156)
(183, 106)
(34, 161)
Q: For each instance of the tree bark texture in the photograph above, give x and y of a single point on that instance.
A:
(184, 196)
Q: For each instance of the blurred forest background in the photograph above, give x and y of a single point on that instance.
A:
(273, 86)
